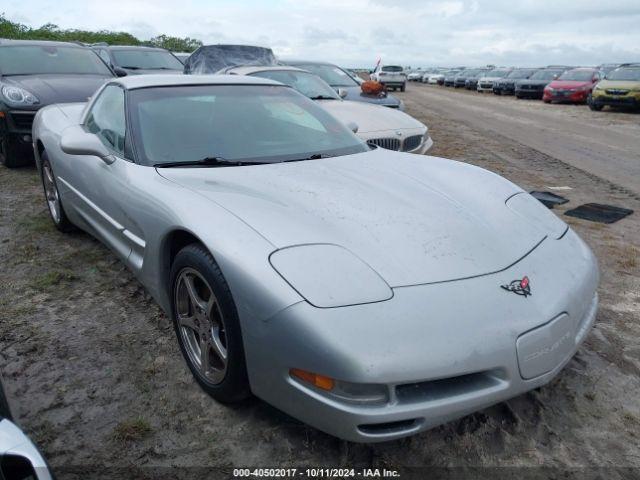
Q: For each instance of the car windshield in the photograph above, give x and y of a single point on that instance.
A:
(147, 59)
(545, 74)
(48, 59)
(241, 123)
(578, 75)
(523, 73)
(628, 74)
(308, 84)
(498, 73)
(392, 68)
(334, 76)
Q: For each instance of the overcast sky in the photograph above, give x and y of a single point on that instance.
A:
(357, 32)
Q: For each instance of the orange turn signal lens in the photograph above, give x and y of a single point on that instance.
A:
(320, 381)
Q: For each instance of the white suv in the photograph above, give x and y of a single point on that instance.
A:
(391, 76)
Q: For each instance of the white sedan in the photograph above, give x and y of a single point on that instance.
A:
(385, 127)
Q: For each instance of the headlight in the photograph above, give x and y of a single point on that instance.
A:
(18, 96)
(329, 276)
(537, 214)
(598, 87)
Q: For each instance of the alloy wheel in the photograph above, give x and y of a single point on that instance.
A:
(51, 192)
(201, 325)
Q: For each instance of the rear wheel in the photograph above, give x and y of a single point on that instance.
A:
(207, 326)
(52, 196)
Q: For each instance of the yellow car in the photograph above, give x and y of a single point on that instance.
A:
(621, 87)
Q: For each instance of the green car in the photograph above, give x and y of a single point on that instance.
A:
(621, 87)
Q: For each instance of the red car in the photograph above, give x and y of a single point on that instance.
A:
(572, 86)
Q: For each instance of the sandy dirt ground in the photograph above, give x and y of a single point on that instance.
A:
(96, 377)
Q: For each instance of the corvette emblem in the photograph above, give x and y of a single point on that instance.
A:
(519, 287)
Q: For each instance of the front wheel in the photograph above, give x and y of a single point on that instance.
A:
(52, 196)
(207, 326)
(403, 88)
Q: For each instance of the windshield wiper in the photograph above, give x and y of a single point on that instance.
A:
(132, 68)
(322, 97)
(206, 162)
(315, 156)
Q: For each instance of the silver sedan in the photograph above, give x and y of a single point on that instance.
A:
(369, 293)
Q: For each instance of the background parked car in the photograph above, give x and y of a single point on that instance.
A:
(391, 76)
(620, 88)
(210, 59)
(384, 127)
(572, 86)
(486, 81)
(471, 82)
(415, 75)
(507, 85)
(534, 86)
(338, 78)
(450, 77)
(19, 457)
(460, 79)
(136, 60)
(38, 73)
(605, 68)
(434, 78)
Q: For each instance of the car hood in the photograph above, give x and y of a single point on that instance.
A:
(619, 84)
(413, 219)
(355, 94)
(568, 84)
(489, 79)
(58, 88)
(370, 118)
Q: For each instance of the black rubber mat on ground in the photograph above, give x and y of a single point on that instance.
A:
(596, 212)
(549, 199)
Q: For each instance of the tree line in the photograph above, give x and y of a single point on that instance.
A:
(49, 31)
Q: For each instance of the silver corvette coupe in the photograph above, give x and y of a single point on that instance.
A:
(369, 293)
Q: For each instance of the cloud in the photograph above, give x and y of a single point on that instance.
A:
(356, 32)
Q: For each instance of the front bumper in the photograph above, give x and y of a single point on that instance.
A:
(441, 350)
(504, 88)
(631, 99)
(485, 87)
(578, 96)
(15, 130)
(527, 93)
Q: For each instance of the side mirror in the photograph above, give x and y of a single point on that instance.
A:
(342, 92)
(75, 141)
(120, 72)
(353, 127)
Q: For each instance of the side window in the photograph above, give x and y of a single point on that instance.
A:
(104, 55)
(107, 119)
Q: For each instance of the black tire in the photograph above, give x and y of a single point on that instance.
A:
(61, 221)
(234, 387)
(403, 88)
(10, 154)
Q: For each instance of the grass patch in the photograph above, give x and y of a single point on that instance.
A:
(53, 278)
(131, 430)
(628, 258)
